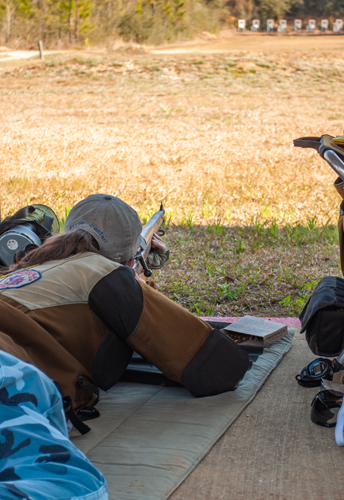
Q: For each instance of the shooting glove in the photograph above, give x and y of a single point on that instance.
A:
(157, 258)
(152, 284)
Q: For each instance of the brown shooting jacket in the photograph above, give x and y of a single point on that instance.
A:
(79, 319)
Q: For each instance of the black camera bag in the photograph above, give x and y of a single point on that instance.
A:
(322, 318)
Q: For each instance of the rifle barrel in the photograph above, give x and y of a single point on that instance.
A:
(151, 227)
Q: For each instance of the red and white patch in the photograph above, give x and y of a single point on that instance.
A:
(19, 279)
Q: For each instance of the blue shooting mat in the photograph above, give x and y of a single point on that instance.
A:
(148, 439)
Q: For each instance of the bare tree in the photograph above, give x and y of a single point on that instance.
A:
(10, 8)
(77, 21)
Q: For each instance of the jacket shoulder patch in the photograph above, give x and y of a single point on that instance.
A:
(19, 279)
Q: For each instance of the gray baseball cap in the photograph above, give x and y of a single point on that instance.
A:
(113, 224)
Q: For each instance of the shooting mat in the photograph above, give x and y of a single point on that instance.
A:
(150, 438)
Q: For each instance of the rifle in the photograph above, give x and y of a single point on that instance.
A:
(330, 148)
(153, 226)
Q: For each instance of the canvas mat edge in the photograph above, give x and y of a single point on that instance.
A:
(287, 345)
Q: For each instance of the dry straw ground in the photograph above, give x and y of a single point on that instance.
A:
(250, 220)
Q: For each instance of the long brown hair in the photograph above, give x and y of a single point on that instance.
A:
(56, 247)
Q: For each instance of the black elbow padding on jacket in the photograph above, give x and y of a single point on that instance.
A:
(112, 358)
(217, 367)
(117, 300)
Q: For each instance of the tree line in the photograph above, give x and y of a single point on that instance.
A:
(73, 22)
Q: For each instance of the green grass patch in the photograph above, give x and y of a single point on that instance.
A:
(257, 269)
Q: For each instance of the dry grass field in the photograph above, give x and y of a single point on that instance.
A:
(205, 128)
